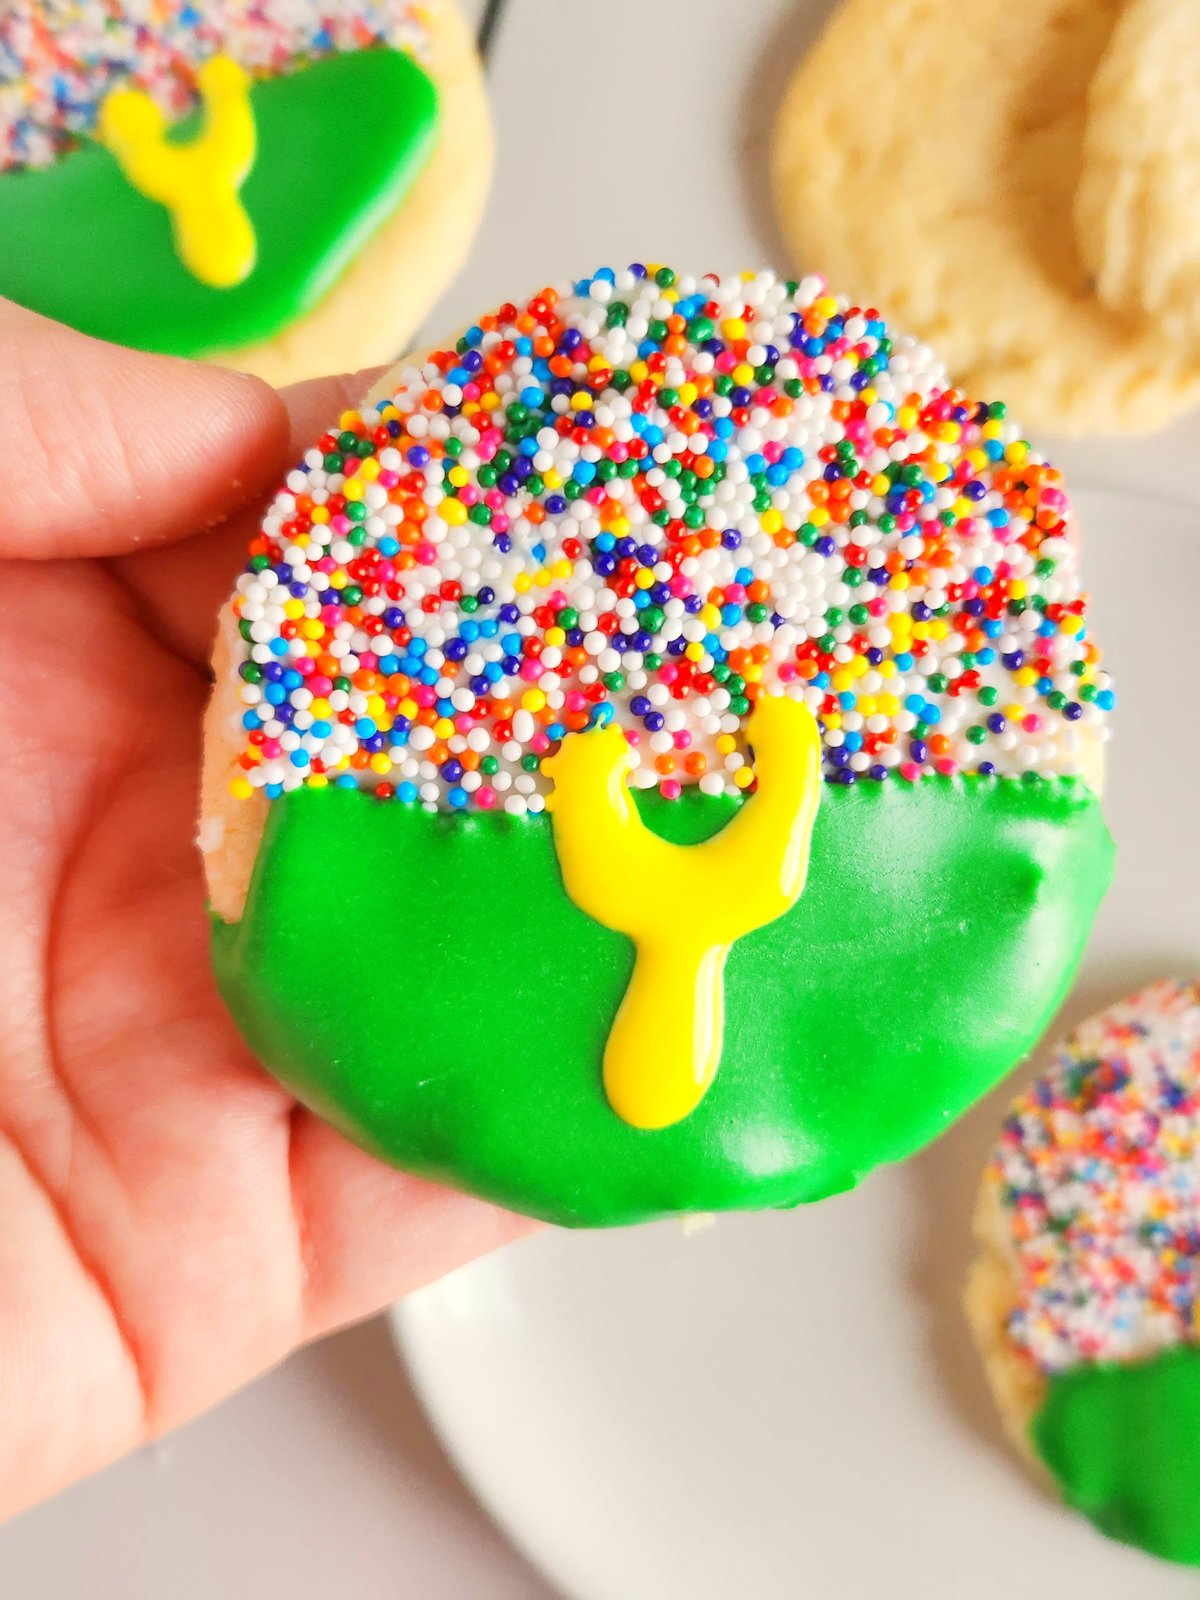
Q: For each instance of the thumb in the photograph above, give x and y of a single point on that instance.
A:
(107, 450)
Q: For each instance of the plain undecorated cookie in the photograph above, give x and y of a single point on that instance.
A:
(1137, 209)
(928, 159)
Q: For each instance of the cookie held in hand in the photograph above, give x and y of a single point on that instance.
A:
(654, 756)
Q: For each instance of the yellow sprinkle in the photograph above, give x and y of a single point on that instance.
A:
(522, 583)
(645, 578)
(733, 328)
(312, 628)
(241, 789)
(453, 512)
(772, 521)
(743, 373)
(317, 780)
(293, 609)
(457, 475)
(1025, 676)
(562, 569)
(743, 777)
(726, 744)
(555, 636)
(552, 478)
(443, 728)
(381, 762)
(1017, 589)
(533, 700)
(694, 651)
(320, 514)
(1016, 452)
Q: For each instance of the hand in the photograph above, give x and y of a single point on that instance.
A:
(171, 1221)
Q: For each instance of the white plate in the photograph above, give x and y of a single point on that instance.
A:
(789, 1404)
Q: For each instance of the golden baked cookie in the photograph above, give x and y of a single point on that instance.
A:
(1137, 207)
(928, 157)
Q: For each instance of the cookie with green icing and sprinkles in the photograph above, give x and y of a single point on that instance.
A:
(608, 698)
(1084, 1301)
(195, 179)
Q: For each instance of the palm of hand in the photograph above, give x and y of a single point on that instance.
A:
(173, 1221)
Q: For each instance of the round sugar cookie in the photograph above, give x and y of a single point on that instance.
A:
(929, 158)
(1083, 1300)
(283, 190)
(1137, 207)
(608, 699)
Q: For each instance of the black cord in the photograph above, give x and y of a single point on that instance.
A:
(493, 11)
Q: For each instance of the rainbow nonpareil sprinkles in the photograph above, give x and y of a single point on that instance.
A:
(60, 58)
(651, 498)
(1099, 1174)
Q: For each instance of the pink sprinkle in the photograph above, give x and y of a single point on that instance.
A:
(485, 798)
(670, 789)
(910, 771)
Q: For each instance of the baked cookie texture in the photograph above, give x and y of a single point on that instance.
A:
(264, 231)
(1083, 1298)
(653, 667)
(985, 184)
(1137, 206)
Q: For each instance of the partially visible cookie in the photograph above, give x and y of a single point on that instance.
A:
(928, 157)
(1083, 1298)
(1137, 208)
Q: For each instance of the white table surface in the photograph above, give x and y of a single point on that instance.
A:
(323, 1479)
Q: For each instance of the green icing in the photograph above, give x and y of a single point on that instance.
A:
(1124, 1444)
(339, 145)
(424, 982)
